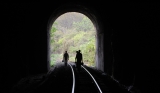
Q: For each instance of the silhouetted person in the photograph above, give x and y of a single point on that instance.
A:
(76, 58)
(65, 58)
(79, 60)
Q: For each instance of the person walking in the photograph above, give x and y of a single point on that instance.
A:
(65, 58)
(79, 60)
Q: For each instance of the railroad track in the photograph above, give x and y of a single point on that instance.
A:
(84, 82)
(66, 79)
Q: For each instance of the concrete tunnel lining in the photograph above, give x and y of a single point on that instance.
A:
(91, 15)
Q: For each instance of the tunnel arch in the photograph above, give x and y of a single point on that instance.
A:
(99, 63)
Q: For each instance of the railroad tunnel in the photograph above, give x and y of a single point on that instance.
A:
(127, 40)
(99, 36)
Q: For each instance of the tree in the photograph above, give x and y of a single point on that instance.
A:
(72, 32)
(53, 30)
(84, 25)
(52, 34)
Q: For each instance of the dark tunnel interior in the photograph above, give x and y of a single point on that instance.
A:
(127, 33)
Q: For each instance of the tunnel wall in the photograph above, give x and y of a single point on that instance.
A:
(134, 41)
(24, 46)
(99, 52)
(129, 40)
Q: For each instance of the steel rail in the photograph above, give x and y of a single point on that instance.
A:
(93, 80)
(73, 86)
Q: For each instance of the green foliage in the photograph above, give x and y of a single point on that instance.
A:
(84, 25)
(53, 30)
(79, 36)
(53, 60)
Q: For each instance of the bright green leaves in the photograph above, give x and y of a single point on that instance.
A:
(72, 32)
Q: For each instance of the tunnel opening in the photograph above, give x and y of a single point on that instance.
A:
(88, 13)
(72, 31)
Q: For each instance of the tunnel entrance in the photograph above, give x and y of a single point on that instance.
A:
(72, 31)
(98, 59)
